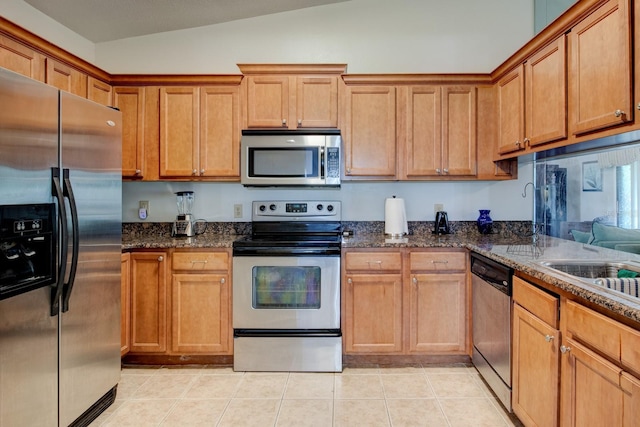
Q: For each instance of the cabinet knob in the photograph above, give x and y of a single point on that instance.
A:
(284, 122)
(517, 143)
(548, 338)
(349, 281)
(348, 171)
(638, 106)
(201, 171)
(438, 171)
(160, 258)
(564, 349)
(445, 170)
(526, 141)
(619, 113)
(415, 280)
(223, 281)
(194, 172)
(299, 122)
(138, 171)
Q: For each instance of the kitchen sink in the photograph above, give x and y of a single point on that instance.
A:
(601, 273)
(592, 269)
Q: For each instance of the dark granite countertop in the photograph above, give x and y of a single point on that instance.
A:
(508, 248)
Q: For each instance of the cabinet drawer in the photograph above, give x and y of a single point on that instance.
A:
(379, 261)
(438, 261)
(536, 301)
(200, 261)
(630, 349)
(594, 329)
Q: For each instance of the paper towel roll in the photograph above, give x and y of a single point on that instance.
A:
(395, 217)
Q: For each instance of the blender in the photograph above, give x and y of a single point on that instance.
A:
(183, 226)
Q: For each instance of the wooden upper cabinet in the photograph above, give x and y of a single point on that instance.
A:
(130, 101)
(21, 59)
(441, 131)
(601, 69)
(220, 132)
(99, 91)
(510, 89)
(200, 132)
(179, 131)
(66, 78)
(267, 101)
(546, 94)
(291, 96)
(459, 131)
(292, 101)
(369, 134)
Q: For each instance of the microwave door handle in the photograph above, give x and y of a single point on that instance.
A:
(322, 163)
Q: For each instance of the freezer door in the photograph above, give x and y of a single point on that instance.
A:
(28, 334)
(90, 321)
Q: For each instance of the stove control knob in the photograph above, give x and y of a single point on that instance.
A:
(262, 208)
(330, 208)
(272, 206)
(319, 207)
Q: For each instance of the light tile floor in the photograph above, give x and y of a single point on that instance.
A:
(452, 396)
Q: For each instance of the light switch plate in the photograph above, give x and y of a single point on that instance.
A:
(437, 208)
(237, 211)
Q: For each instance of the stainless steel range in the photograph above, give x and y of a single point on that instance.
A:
(286, 288)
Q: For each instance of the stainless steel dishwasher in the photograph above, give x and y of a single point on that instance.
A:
(491, 316)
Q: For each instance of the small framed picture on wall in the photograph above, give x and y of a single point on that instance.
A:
(591, 176)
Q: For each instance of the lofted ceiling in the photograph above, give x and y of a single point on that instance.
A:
(107, 20)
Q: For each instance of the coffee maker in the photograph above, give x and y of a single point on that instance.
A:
(184, 226)
(442, 223)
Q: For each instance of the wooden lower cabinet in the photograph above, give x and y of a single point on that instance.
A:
(125, 303)
(536, 355)
(373, 313)
(148, 302)
(180, 303)
(405, 303)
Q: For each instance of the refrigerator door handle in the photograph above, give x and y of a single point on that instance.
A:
(57, 192)
(68, 193)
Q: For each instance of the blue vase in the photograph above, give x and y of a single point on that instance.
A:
(485, 223)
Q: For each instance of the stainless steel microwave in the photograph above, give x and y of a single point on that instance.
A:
(308, 157)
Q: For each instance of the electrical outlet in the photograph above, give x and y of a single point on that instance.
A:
(237, 211)
(438, 207)
(143, 209)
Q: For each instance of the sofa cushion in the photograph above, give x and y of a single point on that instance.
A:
(581, 236)
(608, 233)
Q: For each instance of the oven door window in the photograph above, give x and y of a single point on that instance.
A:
(285, 287)
(302, 162)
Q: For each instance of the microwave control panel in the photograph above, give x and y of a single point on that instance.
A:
(333, 162)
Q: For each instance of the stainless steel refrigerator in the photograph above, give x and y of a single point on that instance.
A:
(60, 244)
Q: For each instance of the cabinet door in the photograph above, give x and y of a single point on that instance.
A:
(316, 102)
(370, 137)
(631, 387)
(21, 59)
(437, 313)
(373, 313)
(536, 369)
(220, 132)
(267, 101)
(546, 94)
(591, 392)
(601, 69)
(130, 101)
(200, 314)
(125, 304)
(179, 136)
(511, 112)
(148, 302)
(636, 55)
(459, 131)
(424, 131)
(66, 78)
(99, 91)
